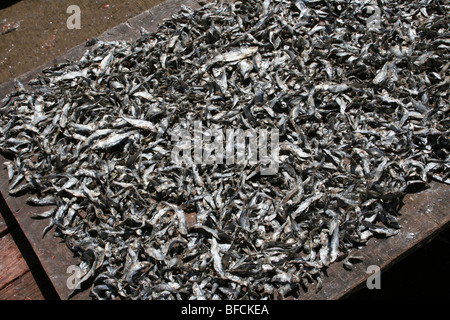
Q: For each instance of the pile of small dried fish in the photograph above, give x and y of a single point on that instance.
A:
(358, 90)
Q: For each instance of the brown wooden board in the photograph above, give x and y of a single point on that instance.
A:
(3, 226)
(39, 29)
(12, 264)
(21, 273)
(22, 288)
(128, 31)
(423, 215)
(53, 254)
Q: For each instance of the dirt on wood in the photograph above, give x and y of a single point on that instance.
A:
(34, 32)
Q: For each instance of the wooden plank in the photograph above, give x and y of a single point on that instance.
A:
(12, 264)
(128, 31)
(423, 216)
(3, 226)
(43, 34)
(7, 222)
(52, 253)
(22, 288)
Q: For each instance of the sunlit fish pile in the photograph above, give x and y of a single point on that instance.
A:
(357, 89)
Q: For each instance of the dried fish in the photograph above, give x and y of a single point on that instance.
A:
(360, 101)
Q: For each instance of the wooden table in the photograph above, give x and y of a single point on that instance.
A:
(32, 267)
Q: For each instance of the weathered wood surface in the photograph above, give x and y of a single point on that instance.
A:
(21, 274)
(53, 254)
(22, 288)
(12, 264)
(43, 33)
(3, 226)
(127, 31)
(16, 278)
(423, 215)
